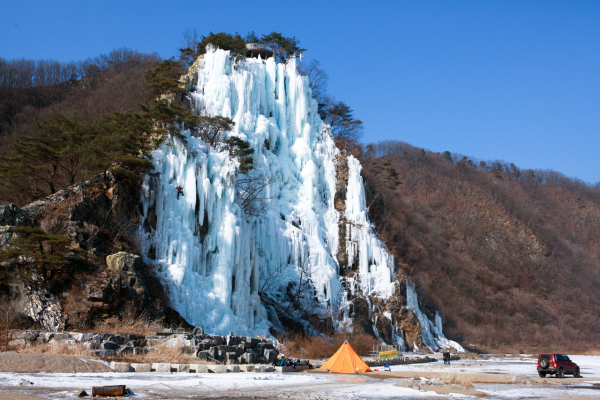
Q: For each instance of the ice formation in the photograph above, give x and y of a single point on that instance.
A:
(215, 257)
(431, 332)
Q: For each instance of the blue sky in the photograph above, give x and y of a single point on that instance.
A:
(512, 80)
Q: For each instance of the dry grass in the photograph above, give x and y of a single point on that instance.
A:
(457, 378)
(134, 326)
(160, 355)
(324, 347)
(55, 348)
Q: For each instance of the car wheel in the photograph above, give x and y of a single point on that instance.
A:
(542, 374)
(577, 374)
(561, 373)
(543, 363)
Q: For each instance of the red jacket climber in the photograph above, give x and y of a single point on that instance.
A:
(179, 191)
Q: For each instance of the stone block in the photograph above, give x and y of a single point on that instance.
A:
(103, 353)
(101, 337)
(258, 351)
(125, 350)
(18, 342)
(118, 339)
(138, 367)
(239, 349)
(121, 367)
(233, 368)
(231, 357)
(62, 336)
(82, 337)
(271, 355)
(138, 351)
(175, 342)
(110, 346)
(265, 346)
(217, 369)
(249, 358)
(199, 368)
(189, 350)
(260, 368)
(161, 367)
(183, 367)
(202, 355)
(29, 336)
(92, 345)
(156, 342)
(247, 368)
(68, 342)
(213, 352)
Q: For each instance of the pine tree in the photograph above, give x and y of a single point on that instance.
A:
(33, 250)
(241, 150)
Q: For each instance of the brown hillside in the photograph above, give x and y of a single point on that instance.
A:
(511, 262)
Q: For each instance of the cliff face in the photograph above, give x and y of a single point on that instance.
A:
(108, 283)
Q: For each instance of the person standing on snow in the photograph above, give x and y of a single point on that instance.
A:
(179, 191)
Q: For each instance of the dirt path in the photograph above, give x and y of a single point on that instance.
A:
(49, 363)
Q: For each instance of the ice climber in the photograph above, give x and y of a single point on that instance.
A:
(179, 191)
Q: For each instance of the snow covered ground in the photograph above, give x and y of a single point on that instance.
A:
(303, 385)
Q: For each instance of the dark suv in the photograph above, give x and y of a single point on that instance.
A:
(557, 364)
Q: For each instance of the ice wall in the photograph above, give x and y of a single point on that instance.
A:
(214, 257)
(431, 332)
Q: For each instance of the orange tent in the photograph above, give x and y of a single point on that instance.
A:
(346, 361)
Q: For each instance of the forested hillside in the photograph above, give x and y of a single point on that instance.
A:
(509, 257)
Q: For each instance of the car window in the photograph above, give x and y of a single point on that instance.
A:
(566, 358)
(559, 357)
(545, 357)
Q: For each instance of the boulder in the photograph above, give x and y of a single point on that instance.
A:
(140, 351)
(250, 358)
(110, 346)
(127, 265)
(203, 355)
(92, 344)
(62, 336)
(231, 357)
(265, 345)
(29, 336)
(103, 353)
(271, 355)
(118, 339)
(125, 350)
(82, 337)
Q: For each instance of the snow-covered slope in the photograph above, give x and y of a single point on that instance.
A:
(215, 257)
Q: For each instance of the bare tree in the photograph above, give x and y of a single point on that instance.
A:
(252, 188)
(317, 79)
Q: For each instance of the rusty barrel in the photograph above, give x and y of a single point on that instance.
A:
(116, 390)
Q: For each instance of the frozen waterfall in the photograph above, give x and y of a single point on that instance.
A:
(215, 258)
